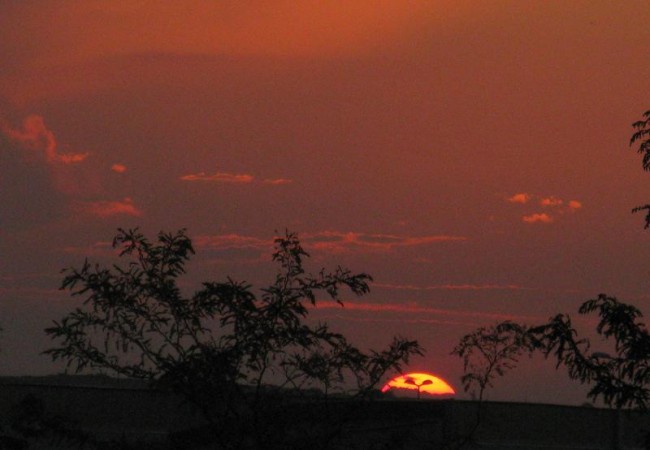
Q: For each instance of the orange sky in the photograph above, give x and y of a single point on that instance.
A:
(471, 156)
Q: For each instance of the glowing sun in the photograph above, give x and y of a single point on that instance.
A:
(422, 382)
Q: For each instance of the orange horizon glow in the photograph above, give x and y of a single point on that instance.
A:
(420, 381)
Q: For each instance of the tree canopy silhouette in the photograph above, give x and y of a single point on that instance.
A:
(620, 378)
(489, 352)
(231, 351)
(641, 136)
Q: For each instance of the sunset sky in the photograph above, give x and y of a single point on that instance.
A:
(471, 155)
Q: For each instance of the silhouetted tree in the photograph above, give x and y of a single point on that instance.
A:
(233, 353)
(642, 136)
(488, 352)
(620, 379)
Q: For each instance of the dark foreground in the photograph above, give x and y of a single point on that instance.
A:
(123, 414)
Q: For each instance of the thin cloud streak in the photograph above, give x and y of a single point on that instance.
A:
(277, 181)
(454, 323)
(30, 292)
(325, 241)
(231, 241)
(416, 309)
(450, 287)
(337, 242)
(537, 218)
(401, 320)
(219, 177)
(100, 248)
(232, 178)
(109, 208)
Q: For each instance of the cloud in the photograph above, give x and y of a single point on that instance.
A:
(231, 241)
(574, 204)
(412, 308)
(35, 145)
(219, 177)
(326, 241)
(277, 181)
(100, 248)
(452, 287)
(337, 242)
(560, 207)
(30, 293)
(551, 201)
(35, 136)
(31, 190)
(39, 184)
(520, 198)
(109, 208)
(537, 217)
(224, 177)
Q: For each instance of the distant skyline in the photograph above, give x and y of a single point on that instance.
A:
(471, 156)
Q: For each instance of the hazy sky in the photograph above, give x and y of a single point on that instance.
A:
(471, 155)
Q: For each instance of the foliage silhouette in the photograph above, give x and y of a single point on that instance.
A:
(234, 354)
(487, 353)
(620, 380)
(642, 136)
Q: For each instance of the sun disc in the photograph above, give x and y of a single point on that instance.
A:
(421, 382)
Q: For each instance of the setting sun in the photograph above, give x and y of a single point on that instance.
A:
(453, 150)
(422, 382)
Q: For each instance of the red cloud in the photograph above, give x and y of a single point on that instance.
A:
(336, 242)
(532, 218)
(31, 292)
(520, 198)
(561, 207)
(101, 248)
(35, 136)
(277, 181)
(551, 201)
(224, 177)
(410, 308)
(232, 241)
(575, 204)
(451, 287)
(119, 168)
(327, 241)
(109, 208)
(220, 177)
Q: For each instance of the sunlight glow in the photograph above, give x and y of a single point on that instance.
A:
(422, 382)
